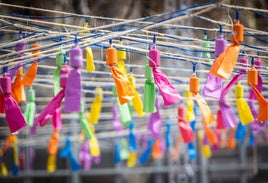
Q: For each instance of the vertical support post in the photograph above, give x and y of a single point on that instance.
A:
(242, 157)
(158, 178)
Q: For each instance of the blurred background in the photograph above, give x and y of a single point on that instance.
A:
(241, 164)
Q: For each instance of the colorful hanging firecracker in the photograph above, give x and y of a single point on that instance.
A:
(194, 88)
(253, 83)
(169, 93)
(54, 105)
(224, 64)
(213, 85)
(149, 96)
(124, 89)
(30, 108)
(14, 116)
(73, 95)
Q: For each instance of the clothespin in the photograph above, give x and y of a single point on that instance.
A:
(169, 93)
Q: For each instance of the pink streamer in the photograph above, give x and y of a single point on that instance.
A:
(169, 93)
(56, 119)
(50, 109)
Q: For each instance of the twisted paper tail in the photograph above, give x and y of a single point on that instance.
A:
(231, 140)
(95, 110)
(117, 157)
(123, 86)
(116, 122)
(185, 128)
(56, 119)
(73, 92)
(85, 126)
(220, 123)
(224, 64)
(18, 92)
(132, 159)
(30, 75)
(154, 124)
(53, 142)
(156, 150)
(29, 113)
(9, 140)
(169, 93)
(228, 117)
(50, 109)
(263, 105)
(235, 79)
(213, 86)
(67, 153)
(146, 154)
(51, 163)
(206, 112)
(14, 116)
(137, 103)
(94, 146)
(244, 111)
(149, 97)
(255, 126)
(252, 95)
(56, 80)
(212, 138)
